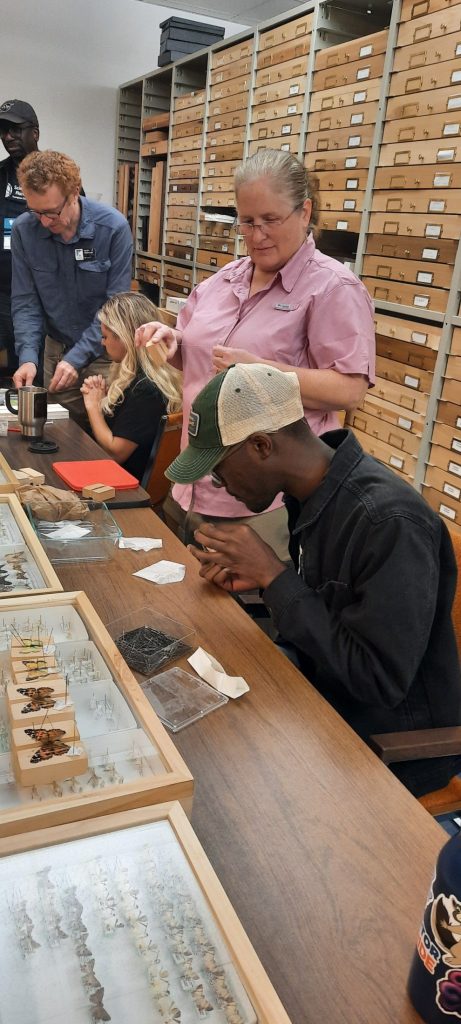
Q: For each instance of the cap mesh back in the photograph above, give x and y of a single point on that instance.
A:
(257, 397)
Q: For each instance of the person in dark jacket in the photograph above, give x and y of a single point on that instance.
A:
(365, 606)
(19, 132)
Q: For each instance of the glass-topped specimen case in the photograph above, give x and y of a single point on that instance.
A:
(122, 918)
(8, 482)
(24, 566)
(78, 737)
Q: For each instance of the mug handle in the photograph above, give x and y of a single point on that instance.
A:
(11, 391)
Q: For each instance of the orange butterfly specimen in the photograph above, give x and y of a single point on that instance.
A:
(51, 744)
(40, 697)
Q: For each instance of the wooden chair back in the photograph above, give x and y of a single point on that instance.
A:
(165, 448)
(456, 610)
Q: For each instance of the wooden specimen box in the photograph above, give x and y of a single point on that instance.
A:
(140, 925)
(131, 758)
(24, 566)
(8, 480)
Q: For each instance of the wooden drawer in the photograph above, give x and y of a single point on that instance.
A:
(354, 50)
(222, 169)
(455, 348)
(231, 137)
(423, 226)
(353, 95)
(443, 482)
(346, 138)
(192, 130)
(216, 227)
(342, 159)
(421, 8)
(189, 158)
(214, 259)
(202, 275)
(144, 263)
(232, 53)
(234, 70)
(190, 145)
(181, 274)
(410, 377)
(172, 287)
(387, 454)
(284, 90)
(438, 275)
(189, 99)
(228, 104)
(427, 54)
(453, 369)
(181, 199)
(446, 459)
(218, 184)
(346, 117)
(183, 186)
(403, 418)
(443, 251)
(450, 391)
(276, 55)
(444, 505)
(225, 122)
(215, 198)
(160, 135)
(447, 437)
(422, 201)
(154, 121)
(347, 74)
(217, 153)
(213, 243)
(235, 86)
(286, 32)
(179, 252)
(345, 181)
(445, 74)
(290, 69)
(418, 296)
(341, 201)
(287, 143)
(405, 352)
(195, 115)
(340, 221)
(149, 277)
(406, 398)
(182, 224)
(398, 438)
(435, 151)
(436, 126)
(283, 109)
(437, 101)
(180, 238)
(449, 412)
(276, 128)
(430, 26)
(154, 148)
(412, 332)
(435, 177)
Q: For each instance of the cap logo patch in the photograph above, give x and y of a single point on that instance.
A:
(6, 106)
(194, 423)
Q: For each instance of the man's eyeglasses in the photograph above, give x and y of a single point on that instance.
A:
(15, 130)
(266, 224)
(49, 214)
(216, 479)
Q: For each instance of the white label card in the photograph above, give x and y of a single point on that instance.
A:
(411, 382)
(458, 421)
(286, 147)
(448, 512)
(441, 181)
(352, 183)
(437, 206)
(423, 277)
(454, 492)
(294, 89)
(456, 77)
(292, 109)
(286, 129)
(360, 97)
(445, 154)
(421, 300)
(456, 445)
(451, 129)
(454, 103)
(341, 225)
(430, 254)
(354, 140)
(458, 50)
(418, 338)
(356, 119)
(402, 422)
(433, 230)
(350, 161)
(365, 51)
(453, 467)
(363, 73)
(349, 204)
(396, 462)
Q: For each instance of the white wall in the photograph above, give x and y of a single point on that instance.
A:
(67, 58)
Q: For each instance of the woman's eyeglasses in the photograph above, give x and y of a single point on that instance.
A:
(266, 224)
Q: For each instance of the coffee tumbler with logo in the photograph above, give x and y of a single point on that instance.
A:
(30, 406)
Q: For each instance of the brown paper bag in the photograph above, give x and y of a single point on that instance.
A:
(51, 503)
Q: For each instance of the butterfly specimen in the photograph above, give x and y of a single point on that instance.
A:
(98, 1012)
(39, 697)
(51, 744)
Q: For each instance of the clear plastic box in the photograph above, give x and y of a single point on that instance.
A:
(97, 545)
(180, 698)
(147, 640)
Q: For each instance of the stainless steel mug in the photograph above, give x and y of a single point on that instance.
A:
(30, 408)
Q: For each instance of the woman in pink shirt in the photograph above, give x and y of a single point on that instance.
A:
(285, 304)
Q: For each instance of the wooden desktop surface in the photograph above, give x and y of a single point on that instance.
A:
(326, 858)
(74, 444)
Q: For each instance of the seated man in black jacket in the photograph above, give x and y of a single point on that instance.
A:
(366, 605)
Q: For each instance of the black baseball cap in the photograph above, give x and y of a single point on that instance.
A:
(18, 112)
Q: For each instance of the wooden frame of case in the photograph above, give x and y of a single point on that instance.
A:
(10, 484)
(37, 551)
(177, 782)
(266, 1003)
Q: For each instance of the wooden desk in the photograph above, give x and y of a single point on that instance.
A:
(73, 444)
(326, 858)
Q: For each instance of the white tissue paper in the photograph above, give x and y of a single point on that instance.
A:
(162, 572)
(139, 543)
(213, 673)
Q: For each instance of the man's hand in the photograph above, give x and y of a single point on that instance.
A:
(93, 390)
(222, 357)
(25, 375)
(65, 376)
(236, 559)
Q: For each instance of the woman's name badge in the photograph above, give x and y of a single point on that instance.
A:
(285, 305)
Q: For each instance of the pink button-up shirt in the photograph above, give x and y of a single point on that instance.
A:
(314, 314)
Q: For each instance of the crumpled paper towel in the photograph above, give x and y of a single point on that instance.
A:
(213, 673)
(162, 572)
(139, 543)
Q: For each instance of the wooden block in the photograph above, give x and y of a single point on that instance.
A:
(23, 738)
(34, 771)
(157, 352)
(31, 645)
(23, 662)
(57, 687)
(98, 492)
(37, 711)
(39, 678)
(29, 476)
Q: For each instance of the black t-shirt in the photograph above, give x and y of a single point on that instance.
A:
(137, 419)
(12, 204)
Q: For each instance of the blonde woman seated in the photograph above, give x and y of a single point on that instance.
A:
(125, 414)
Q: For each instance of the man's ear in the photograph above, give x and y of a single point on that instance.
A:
(261, 445)
(36, 134)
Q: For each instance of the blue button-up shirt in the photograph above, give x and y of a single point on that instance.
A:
(57, 292)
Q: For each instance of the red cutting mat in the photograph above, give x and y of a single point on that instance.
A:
(98, 471)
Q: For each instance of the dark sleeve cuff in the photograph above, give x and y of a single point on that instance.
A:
(282, 591)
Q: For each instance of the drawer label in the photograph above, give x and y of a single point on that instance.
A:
(458, 50)
(286, 147)
(213, 156)
(352, 183)
(454, 492)
(402, 422)
(365, 51)
(418, 338)
(356, 119)
(445, 154)
(292, 109)
(341, 225)
(363, 73)
(188, 255)
(451, 129)
(349, 204)
(360, 97)
(430, 254)
(454, 103)
(411, 382)
(458, 421)
(456, 445)
(354, 140)
(350, 161)
(294, 90)
(442, 180)
(423, 277)
(433, 230)
(421, 300)
(456, 77)
(454, 467)
(448, 512)
(286, 129)
(437, 206)
(396, 462)
(217, 126)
